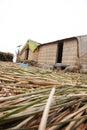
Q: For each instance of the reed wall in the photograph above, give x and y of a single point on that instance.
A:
(83, 61)
(33, 55)
(47, 53)
(69, 56)
(82, 48)
(82, 40)
(21, 57)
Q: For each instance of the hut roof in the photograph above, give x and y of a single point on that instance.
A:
(6, 53)
(31, 44)
(6, 56)
(76, 37)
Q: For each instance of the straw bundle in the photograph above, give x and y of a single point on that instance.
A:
(25, 96)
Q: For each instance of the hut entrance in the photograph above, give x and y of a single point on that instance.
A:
(27, 53)
(60, 50)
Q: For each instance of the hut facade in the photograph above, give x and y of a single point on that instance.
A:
(29, 51)
(68, 51)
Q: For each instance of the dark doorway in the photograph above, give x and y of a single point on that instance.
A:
(27, 53)
(60, 50)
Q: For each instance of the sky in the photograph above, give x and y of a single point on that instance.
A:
(40, 20)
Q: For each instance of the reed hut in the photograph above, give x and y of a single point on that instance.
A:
(68, 51)
(28, 52)
(64, 52)
(8, 57)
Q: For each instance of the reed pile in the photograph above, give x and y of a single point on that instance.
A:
(25, 93)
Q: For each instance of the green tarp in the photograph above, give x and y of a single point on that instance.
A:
(31, 44)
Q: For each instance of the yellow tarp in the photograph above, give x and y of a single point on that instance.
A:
(31, 44)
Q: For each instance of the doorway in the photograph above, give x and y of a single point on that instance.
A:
(27, 53)
(59, 52)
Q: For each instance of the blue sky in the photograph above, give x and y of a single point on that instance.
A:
(40, 20)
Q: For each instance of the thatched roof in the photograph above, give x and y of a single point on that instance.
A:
(31, 44)
(6, 56)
